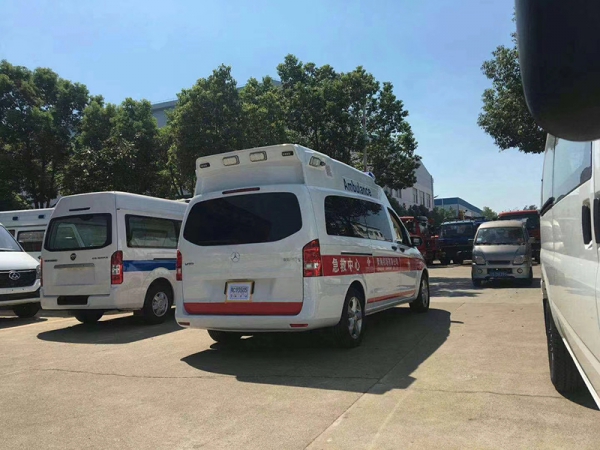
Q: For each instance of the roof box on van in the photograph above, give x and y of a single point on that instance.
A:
(280, 164)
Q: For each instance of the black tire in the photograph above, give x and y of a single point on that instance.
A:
(445, 261)
(89, 317)
(421, 303)
(26, 311)
(429, 262)
(563, 373)
(476, 283)
(224, 337)
(349, 331)
(158, 302)
(459, 261)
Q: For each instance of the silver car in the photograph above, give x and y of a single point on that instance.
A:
(501, 250)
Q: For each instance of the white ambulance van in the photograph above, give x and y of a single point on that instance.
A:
(28, 227)
(111, 251)
(284, 238)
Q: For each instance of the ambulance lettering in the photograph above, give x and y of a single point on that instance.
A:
(357, 188)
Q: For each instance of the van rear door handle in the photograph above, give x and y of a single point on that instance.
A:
(394, 247)
(586, 223)
(597, 219)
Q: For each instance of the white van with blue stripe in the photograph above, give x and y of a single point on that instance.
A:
(109, 251)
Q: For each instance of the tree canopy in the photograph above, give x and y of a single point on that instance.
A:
(504, 115)
(489, 214)
(56, 138)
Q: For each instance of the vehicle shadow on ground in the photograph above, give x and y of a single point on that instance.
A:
(396, 342)
(14, 321)
(452, 287)
(463, 287)
(121, 330)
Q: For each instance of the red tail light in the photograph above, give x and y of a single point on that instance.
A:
(311, 255)
(178, 265)
(116, 268)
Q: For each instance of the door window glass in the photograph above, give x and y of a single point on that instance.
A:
(572, 166)
(151, 232)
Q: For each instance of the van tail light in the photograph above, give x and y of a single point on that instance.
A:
(178, 265)
(311, 255)
(39, 273)
(116, 268)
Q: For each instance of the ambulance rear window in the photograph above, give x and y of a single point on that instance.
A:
(243, 219)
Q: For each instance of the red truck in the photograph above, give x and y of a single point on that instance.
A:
(420, 226)
(532, 223)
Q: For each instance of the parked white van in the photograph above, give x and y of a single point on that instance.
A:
(19, 278)
(284, 238)
(28, 227)
(111, 251)
(570, 235)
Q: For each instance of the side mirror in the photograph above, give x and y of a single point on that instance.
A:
(416, 241)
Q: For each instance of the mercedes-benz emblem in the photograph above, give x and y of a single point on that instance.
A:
(14, 275)
(235, 257)
(73, 256)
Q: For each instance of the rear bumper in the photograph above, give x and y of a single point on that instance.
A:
(119, 298)
(301, 315)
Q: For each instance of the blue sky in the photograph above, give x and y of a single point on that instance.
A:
(431, 50)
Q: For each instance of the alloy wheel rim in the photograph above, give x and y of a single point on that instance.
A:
(425, 293)
(355, 318)
(160, 304)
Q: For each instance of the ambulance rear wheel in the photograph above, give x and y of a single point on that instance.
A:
(224, 337)
(89, 317)
(348, 333)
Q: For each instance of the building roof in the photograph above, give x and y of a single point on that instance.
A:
(457, 201)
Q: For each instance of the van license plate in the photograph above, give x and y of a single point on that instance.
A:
(239, 291)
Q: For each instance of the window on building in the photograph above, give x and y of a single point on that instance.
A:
(422, 198)
(415, 196)
(428, 201)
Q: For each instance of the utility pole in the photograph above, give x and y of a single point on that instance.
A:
(364, 126)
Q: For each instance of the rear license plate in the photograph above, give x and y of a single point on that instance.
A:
(239, 291)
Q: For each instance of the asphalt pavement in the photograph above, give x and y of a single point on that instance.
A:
(471, 373)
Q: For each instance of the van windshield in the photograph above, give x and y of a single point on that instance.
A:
(500, 236)
(7, 242)
(457, 230)
(243, 219)
(80, 232)
(532, 221)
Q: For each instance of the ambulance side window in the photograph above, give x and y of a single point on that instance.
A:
(400, 233)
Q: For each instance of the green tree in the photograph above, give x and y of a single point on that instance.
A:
(263, 113)
(342, 114)
(441, 215)
(505, 116)
(40, 113)
(9, 185)
(489, 214)
(118, 149)
(530, 207)
(207, 120)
